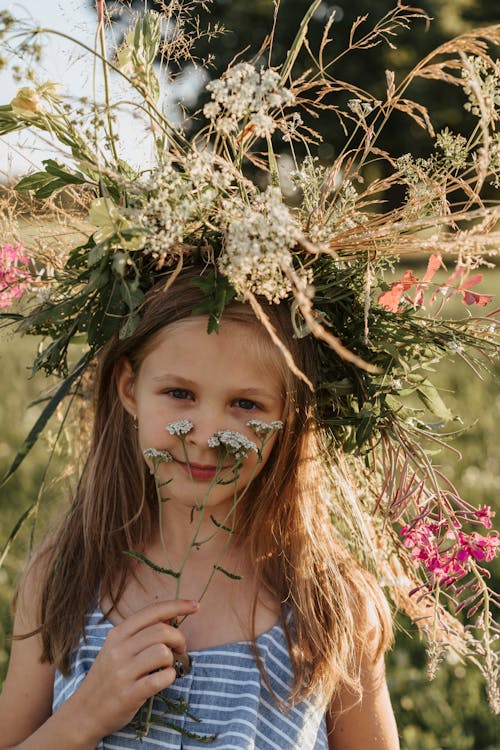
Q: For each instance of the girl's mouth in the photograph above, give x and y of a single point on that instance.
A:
(199, 472)
(204, 472)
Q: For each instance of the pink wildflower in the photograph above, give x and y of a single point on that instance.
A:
(468, 297)
(448, 562)
(477, 546)
(433, 265)
(391, 299)
(484, 515)
(13, 278)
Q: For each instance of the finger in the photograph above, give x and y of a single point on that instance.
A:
(155, 682)
(157, 656)
(160, 632)
(157, 612)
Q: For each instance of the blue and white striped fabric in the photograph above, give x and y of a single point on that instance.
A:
(224, 690)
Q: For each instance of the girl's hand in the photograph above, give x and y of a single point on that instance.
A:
(134, 664)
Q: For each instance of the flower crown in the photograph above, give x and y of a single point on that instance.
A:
(328, 252)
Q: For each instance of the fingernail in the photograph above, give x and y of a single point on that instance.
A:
(194, 604)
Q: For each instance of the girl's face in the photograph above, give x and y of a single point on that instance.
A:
(217, 382)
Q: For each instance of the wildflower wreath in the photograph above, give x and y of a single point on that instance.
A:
(331, 255)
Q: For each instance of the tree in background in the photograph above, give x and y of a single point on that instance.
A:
(247, 24)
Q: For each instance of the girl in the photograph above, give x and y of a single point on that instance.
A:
(285, 648)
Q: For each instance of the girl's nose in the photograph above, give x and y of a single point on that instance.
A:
(205, 425)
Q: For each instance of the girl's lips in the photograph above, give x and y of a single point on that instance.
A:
(200, 472)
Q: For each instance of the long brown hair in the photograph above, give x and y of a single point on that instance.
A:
(288, 527)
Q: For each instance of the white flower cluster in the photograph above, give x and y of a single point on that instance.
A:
(482, 89)
(261, 429)
(235, 444)
(179, 200)
(166, 214)
(246, 94)
(361, 107)
(180, 428)
(259, 238)
(454, 148)
(290, 127)
(157, 456)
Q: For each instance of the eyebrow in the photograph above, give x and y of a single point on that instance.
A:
(251, 391)
(178, 378)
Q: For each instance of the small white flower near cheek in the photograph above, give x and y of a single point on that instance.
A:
(263, 429)
(234, 443)
(180, 428)
(159, 456)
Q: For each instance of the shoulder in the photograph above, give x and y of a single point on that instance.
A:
(29, 680)
(364, 718)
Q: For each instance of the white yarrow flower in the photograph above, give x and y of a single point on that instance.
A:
(235, 444)
(261, 429)
(158, 456)
(244, 93)
(259, 238)
(180, 428)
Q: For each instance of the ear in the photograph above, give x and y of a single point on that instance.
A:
(125, 383)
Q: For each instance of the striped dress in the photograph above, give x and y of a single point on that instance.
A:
(227, 699)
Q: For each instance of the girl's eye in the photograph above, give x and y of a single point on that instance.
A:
(246, 404)
(180, 393)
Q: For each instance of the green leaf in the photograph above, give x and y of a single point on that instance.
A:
(129, 326)
(34, 181)
(55, 169)
(97, 253)
(9, 121)
(365, 428)
(150, 563)
(431, 399)
(218, 293)
(132, 295)
(54, 178)
(221, 525)
(227, 573)
(44, 417)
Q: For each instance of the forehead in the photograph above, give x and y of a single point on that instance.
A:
(241, 350)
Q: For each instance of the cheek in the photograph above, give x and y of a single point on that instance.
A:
(266, 453)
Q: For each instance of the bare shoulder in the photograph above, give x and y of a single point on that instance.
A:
(27, 690)
(366, 722)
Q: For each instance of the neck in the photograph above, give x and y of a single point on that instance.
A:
(192, 536)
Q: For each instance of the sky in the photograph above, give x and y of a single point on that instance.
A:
(59, 65)
(67, 65)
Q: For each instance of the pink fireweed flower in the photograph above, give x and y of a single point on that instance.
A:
(484, 515)
(13, 278)
(447, 556)
(477, 546)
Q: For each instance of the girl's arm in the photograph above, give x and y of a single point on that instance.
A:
(368, 724)
(134, 663)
